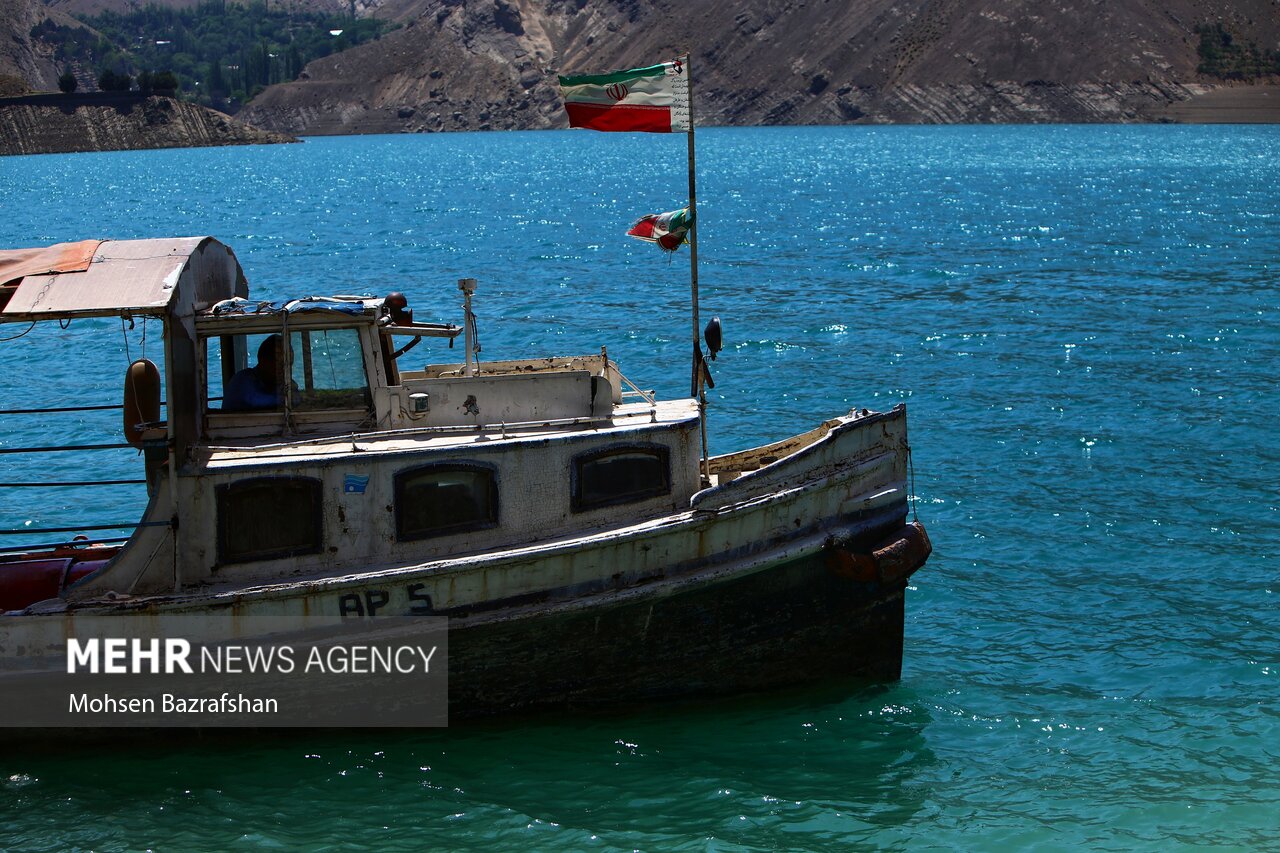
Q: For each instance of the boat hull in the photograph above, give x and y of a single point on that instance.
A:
(797, 621)
(794, 570)
(730, 628)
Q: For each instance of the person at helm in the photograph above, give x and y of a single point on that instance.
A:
(258, 387)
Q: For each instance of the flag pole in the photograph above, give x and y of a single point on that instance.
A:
(699, 371)
(693, 241)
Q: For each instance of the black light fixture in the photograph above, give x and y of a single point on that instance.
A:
(398, 306)
(711, 334)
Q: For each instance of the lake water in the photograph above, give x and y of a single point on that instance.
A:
(1084, 323)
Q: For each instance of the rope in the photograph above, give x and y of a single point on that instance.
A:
(20, 334)
(915, 498)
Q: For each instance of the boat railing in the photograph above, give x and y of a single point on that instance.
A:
(76, 543)
(633, 391)
(80, 529)
(408, 432)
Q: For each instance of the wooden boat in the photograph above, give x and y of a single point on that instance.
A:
(564, 522)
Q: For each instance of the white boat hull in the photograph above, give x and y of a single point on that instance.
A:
(770, 578)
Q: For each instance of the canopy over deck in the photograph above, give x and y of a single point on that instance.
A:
(167, 276)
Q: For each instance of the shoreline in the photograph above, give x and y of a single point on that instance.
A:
(1241, 104)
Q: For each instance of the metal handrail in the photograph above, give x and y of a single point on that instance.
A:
(648, 396)
(122, 526)
(70, 483)
(57, 409)
(75, 543)
(64, 447)
(60, 409)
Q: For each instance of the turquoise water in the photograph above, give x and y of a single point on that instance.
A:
(1083, 322)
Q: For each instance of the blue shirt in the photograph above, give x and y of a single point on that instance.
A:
(245, 392)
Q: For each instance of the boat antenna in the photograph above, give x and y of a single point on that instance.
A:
(468, 287)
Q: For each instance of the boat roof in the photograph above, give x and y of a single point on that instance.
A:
(159, 277)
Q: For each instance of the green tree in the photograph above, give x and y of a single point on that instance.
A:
(67, 82)
(214, 47)
(165, 83)
(216, 85)
(112, 81)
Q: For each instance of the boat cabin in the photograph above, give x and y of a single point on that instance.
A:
(315, 437)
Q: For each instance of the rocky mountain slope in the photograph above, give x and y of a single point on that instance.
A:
(476, 64)
(20, 67)
(489, 64)
(55, 124)
(97, 7)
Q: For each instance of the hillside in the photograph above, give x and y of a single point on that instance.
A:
(48, 124)
(491, 64)
(96, 7)
(89, 121)
(20, 67)
(476, 64)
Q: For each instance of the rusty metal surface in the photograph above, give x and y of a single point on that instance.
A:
(893, 560)
(906, 553)
(123, 276)
(58, 258)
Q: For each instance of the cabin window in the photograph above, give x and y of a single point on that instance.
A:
(436, 500)
(238, 379)
(264, 518)
(246, 372)
(620, 476)
(328, 370)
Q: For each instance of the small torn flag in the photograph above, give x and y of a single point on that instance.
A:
(668, 229)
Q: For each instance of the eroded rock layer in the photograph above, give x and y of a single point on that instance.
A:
(490, 64)
(50, 124)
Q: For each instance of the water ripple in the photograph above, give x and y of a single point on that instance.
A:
(1083, 321)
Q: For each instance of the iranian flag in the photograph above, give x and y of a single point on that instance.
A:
(653, 99)
(668, 230)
